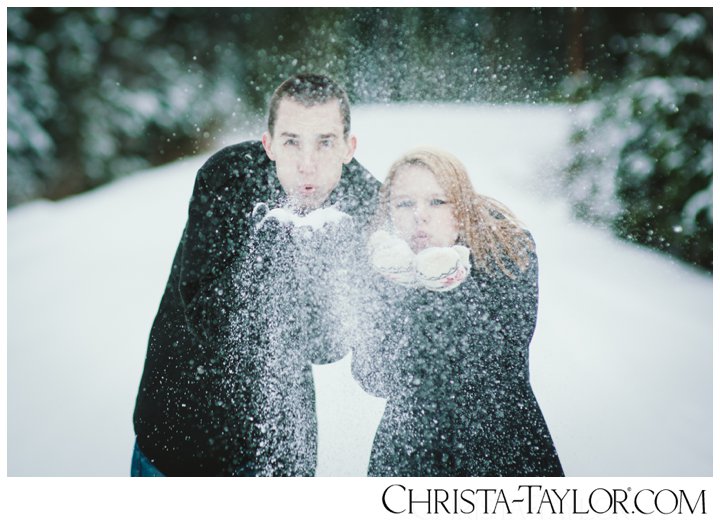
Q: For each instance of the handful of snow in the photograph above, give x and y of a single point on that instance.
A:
(434, 268)
(392, 257)
(313, 221)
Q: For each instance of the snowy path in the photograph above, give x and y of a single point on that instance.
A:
(621, 361)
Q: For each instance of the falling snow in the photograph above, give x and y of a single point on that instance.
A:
(623, 338)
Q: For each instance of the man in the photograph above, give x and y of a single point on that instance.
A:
(227, 384)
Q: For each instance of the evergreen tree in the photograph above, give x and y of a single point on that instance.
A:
(643, 162)
(96, 93)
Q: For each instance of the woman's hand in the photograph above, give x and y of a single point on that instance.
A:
(442, 268)
(392, 258)
(434, 268)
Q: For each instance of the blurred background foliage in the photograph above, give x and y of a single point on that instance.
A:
(97, 93)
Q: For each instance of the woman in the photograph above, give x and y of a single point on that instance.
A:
(459, 296)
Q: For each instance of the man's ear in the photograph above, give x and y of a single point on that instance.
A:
(267, 145)
(352, 145)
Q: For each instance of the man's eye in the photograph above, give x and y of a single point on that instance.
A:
(290, 142)
(326, 143)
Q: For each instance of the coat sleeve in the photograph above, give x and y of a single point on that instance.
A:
(330, 289)
(376, 367)
(214, 239)
(417, 339)
(447, 327)
(375, 362)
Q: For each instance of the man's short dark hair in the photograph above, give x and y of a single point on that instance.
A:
(310, 89)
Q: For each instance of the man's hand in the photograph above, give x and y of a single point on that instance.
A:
(270, 243)
(315, 220)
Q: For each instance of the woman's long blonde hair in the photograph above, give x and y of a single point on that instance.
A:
(486, 226)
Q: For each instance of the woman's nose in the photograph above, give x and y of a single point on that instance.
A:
(421, 214)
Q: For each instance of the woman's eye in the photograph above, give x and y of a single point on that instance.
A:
(437, 202)
(404, 204)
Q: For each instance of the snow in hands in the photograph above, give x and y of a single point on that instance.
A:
(434, 268)
(314, 220)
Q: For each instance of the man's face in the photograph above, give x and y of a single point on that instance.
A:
(309, 150)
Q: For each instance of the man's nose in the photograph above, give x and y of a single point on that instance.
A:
(306, 161)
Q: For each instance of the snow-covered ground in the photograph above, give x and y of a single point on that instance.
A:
(621, 361)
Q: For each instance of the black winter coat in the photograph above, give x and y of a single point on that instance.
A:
(454, 368)
(208, 403)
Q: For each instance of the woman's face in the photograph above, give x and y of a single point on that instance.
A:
(419, 210)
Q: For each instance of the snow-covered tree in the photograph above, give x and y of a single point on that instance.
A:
(643, 149)
(94, 94)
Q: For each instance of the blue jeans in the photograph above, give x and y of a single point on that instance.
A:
(141, 466)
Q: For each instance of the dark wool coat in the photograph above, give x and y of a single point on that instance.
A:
(218, 395)
(454, 368)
